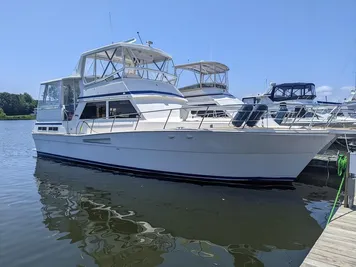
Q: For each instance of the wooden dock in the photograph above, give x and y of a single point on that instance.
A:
(337, 244)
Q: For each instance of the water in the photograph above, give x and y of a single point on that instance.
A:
(55, 214)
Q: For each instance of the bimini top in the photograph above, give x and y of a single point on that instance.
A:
(140, 52)
(123, 60)
(204, 67)
(72, 77)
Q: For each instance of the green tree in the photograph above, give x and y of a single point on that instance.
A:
(17, 104)
(2, 113)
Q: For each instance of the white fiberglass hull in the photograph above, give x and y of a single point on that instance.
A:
(229, 156)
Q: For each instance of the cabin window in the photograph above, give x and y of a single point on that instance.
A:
(71, 92)
(293, 91)
(49, 97)
(122, 109)
(283, 92)
(310, 90)
(52, 128)
(94, 110)
(42, 128)
(205, 112)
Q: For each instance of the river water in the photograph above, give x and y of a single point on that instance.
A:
(56, 214)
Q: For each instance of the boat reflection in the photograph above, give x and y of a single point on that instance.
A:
(121, 220)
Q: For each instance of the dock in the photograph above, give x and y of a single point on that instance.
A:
(337, 244)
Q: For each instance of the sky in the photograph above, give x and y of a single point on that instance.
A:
(274, 41)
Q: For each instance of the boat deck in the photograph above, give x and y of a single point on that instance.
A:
(337, 244)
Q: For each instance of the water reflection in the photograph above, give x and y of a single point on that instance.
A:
(121, 220)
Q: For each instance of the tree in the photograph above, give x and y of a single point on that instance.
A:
(17, 104)
(2, 113)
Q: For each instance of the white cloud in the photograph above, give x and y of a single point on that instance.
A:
(347, 88)
(324, 90)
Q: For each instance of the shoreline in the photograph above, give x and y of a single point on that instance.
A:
(18, 117)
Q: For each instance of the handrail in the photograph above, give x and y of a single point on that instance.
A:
(82, 122)
(290, 118)
(206, 113)
(122, 74)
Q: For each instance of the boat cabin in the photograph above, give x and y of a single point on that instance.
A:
(58, 99)
(122, 80)
(291, 91)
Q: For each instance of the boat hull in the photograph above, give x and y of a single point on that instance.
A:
(199, 155)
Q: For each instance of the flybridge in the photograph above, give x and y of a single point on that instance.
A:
(120, 71)
(126, 60)
(207, 74)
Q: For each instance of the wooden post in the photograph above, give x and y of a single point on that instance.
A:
(347, 176)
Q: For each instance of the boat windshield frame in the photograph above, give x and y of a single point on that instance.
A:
(292, 91)
(207, 74)
(124, 60)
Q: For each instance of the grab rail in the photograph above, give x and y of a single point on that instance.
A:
(291, 119)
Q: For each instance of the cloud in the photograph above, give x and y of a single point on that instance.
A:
(324, 90)
(347, 88)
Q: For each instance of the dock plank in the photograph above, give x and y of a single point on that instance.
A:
(337, 244)
(315, 263)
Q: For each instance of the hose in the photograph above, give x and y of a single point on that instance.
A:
(341, 171)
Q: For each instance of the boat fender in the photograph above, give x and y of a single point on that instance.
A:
(256, 115)
(242, 115)
(281, 113)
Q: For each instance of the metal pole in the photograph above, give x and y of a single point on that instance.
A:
(206, 111)
(290, 126)
(311, 122)
(112, 124)
(92, 125)
(332, 117)
(249, 116)
(138, 119)
(164, 127)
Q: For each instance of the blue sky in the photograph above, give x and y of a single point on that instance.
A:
(277, 40)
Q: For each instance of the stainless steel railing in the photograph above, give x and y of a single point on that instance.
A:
(307, 116)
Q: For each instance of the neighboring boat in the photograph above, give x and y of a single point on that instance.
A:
(300, 106)
(207, 87)
(122, 110)
(350, 103)
(211, 85)
(293, 94)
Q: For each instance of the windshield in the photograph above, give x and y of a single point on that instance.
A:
(125, 62)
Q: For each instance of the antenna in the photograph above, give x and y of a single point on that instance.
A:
(138, 33)
(112, 39)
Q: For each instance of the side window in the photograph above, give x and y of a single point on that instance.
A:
(282, 93)
(71, 92)
(49, 97)
(94, 110)
(122, 109)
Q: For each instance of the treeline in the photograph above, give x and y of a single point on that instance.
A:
(16, 104)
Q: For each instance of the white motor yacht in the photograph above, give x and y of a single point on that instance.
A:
(299, 106)
(122, 110)
(293, 94)
(209, 89)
